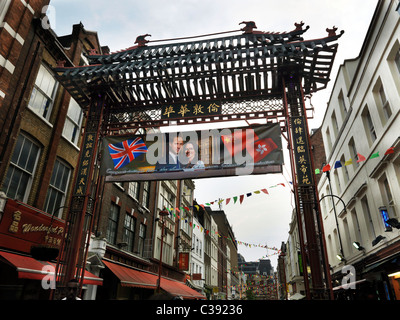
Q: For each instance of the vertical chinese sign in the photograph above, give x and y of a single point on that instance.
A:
(301, 151)
(71, 262)
(84, 165)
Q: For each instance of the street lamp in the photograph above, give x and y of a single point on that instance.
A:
(162, 214)
(358, 246)
(334, 210)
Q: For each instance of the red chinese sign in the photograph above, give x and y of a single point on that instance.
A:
(22, 225)
(183, 261)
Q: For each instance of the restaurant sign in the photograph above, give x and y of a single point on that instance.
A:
(23, 226)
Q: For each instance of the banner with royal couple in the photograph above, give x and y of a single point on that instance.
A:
(255, 149)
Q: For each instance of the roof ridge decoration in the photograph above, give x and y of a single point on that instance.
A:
(248, 29)
(244, 65)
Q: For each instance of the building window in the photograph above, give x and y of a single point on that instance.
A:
(41, 101)
(353, 152)
(20, 173)
(368, 217)
(337, 182)
(356, 226)
(345, 172)
(57, 191)
(112, 226)
(200, 246)
(387, 196)
(397, 60)
(368, 125)
(4, 5)
(323, 204)
(328, 141)
(73, 122)
(387, 112)
(347, 243)
(328, 192)
(146, 194)
(133, 189)
(335, 125)
(129, 231)
(142, 237)
(342, 105)
(167, 199)
(167, 249)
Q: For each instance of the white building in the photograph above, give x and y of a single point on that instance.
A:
(197, 269)
(362, 119)
(214, 254)
(293, 267)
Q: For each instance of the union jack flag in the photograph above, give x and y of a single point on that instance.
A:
(126, 151)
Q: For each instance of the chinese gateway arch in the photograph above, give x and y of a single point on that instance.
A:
(248, 75)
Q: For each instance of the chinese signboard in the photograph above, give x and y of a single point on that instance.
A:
(193, 154)
(84, 167)
(183, 261)
(21, 226)
(301, 152)
(191, 109)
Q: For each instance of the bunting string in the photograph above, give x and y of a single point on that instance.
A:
(360, 158)
(240, 198)
(193, 225)
(177, 213)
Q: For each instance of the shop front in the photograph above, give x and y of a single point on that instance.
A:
(123, 282)
(30, 240)
(384, 274)
(376, 277)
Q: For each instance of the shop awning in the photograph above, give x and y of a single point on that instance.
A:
(177, 288)
(297, 296)
(130, 277)
(29, 268)
(349, 285)
(379, 263)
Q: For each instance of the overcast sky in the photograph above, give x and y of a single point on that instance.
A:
(260, 219)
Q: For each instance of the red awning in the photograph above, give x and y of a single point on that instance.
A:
(29, 268)
(130, 277)
(177, 288)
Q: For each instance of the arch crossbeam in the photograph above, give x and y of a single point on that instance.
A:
(226, 68)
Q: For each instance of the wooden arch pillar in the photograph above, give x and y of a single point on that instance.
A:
(312, 239)
(72, 258)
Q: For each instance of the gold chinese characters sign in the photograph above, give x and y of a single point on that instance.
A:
(191, 109)
(84, 167)
(23, 226)
(301, 152)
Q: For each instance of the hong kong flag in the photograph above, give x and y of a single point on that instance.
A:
(236, 141)
(122, 153)
(262, 148)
